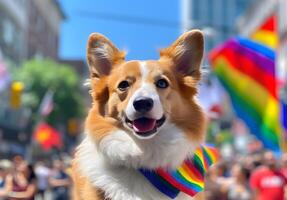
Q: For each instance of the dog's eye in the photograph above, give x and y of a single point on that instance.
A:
(162, 83)
(123, 85)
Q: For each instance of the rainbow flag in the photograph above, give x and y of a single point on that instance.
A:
(246, 68)
(188, 178)
(247, 71)
(266, 34)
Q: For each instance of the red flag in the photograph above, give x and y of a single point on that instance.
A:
(47, 137)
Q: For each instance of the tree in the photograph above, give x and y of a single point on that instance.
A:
(41, 75)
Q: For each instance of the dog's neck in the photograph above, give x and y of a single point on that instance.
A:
(113, 165)
(168, 149)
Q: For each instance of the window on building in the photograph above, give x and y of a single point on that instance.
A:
(195, 11)
(204, 12)
(210, 11)
(1, 25)
(8, 31)
(241, 6)
(39, 24)
(224, 13)
(21, 2)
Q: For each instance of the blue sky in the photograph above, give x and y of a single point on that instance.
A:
(141, 27)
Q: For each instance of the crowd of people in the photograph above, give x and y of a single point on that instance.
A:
(42, 181)
(259, 176)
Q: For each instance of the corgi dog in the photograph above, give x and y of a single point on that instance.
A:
(144, 115)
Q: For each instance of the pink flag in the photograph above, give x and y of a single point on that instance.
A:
(4, 76)
(47, 104)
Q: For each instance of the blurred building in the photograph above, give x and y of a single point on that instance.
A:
(29, 28)
(256, 14)
(43, 30)
(215, 17)
(13, 26)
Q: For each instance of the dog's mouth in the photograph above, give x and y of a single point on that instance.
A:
(145, 127)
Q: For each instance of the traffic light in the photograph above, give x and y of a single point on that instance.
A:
(15, 94)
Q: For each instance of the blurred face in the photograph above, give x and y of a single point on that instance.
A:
(23, 167)
(248, 162)
(213, 170)
(269, 160)
(236, 171)
(2, 173)
(17, 160)
(284, 160)
(58, 165)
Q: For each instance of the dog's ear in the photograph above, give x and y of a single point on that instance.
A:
(102, 55)
(186, 53)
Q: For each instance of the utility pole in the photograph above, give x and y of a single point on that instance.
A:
(282, 62)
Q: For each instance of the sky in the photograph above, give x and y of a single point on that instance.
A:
(139, 27)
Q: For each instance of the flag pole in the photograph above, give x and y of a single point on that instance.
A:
(44, 109)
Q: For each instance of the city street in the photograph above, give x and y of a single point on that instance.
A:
(139, 88)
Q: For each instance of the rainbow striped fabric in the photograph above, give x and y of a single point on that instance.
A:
(247, 71)
(266, 33)
(246, 68)
(188, 178)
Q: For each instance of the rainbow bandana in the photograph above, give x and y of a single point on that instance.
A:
(188, 178)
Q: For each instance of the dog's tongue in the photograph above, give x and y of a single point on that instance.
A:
(144, 125)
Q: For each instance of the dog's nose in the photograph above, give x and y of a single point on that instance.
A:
(143, 104)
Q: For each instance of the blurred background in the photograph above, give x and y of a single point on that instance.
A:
(43, 100)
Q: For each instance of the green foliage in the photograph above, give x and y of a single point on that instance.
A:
(41, 75)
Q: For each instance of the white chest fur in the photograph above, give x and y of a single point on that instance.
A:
(124, 182)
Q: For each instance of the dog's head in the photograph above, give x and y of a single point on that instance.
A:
(149, 106)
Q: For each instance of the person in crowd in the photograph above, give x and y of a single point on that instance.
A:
(5, 168)
(59, 181)
(21, 184)
(267, 182)
(251, 161)
(3, 192)
(238, 189)
(17, 161)
(283, 164)
(2, 177)
(42, 174)
(214, 183)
